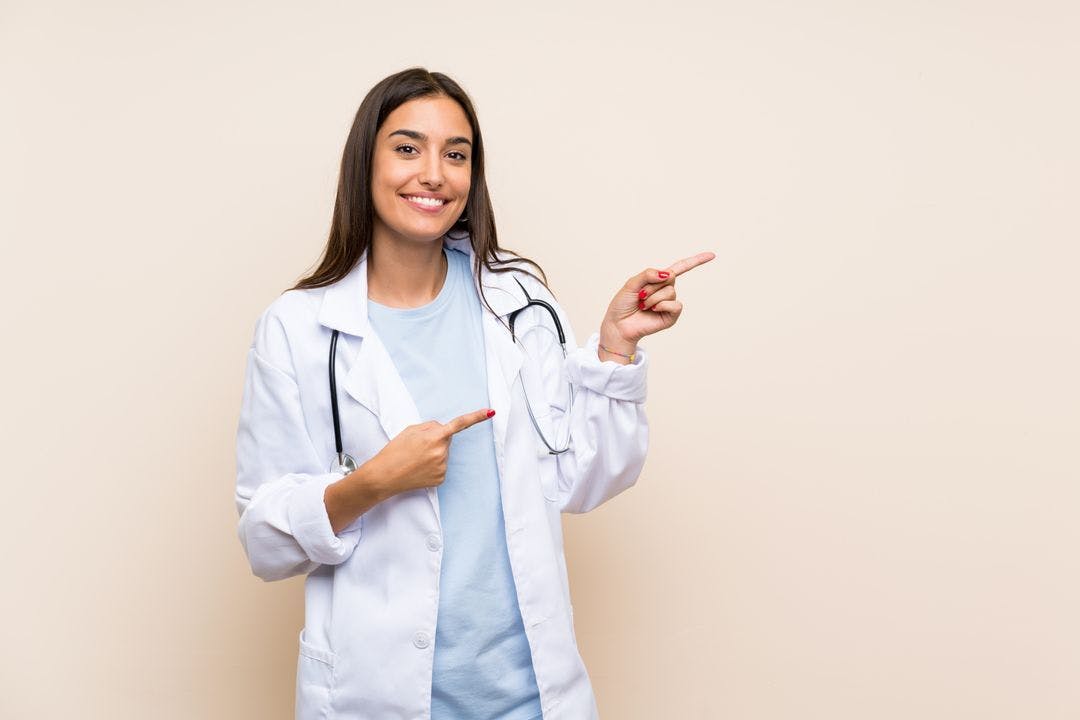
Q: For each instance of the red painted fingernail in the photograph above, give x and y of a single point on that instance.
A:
(641, 305)
(490, 413)
(642, 294)
(663, 275)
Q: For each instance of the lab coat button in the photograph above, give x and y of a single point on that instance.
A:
(421, 640)
(433, 543)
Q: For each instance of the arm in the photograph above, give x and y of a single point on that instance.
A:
(352, 496)
(609, 432)
(284, 526)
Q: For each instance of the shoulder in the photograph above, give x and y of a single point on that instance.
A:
(284, 324)
(524, 272)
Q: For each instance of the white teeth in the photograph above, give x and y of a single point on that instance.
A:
(433, 202)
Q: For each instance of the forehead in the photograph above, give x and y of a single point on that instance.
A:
(436, 117)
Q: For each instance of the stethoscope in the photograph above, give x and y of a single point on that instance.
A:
(347, 464)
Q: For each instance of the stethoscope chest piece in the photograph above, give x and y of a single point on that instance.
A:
(343, 463)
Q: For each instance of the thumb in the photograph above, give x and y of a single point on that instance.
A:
(648, 276)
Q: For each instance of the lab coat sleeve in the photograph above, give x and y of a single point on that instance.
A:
(609, 432)
(284, 527)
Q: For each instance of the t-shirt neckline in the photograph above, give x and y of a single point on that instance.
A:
(436, 304)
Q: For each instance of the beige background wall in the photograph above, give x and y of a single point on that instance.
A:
(861, 495)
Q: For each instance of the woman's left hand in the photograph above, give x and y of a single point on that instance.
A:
(646, 304)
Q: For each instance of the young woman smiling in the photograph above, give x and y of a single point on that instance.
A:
(436, 583)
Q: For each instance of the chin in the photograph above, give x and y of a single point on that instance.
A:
(420, 235)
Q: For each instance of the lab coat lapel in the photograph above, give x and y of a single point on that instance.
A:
(502, 355)
(503, 363)
(371, 379)
(374, 382)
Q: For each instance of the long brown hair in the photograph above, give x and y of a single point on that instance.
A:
(354, 211)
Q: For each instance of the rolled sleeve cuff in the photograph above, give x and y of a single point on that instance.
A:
(310, 523)
(607, 377)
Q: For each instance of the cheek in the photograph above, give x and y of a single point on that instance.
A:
(384, 190)
(463, 184)
(384, 178)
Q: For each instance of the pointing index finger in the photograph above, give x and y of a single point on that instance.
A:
(680, 266)
(469, 419)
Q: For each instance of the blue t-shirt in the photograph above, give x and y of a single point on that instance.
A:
(483, 665)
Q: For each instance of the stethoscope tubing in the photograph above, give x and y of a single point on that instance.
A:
(562, 344)
(345, 461)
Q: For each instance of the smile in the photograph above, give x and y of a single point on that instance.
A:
(428, 205)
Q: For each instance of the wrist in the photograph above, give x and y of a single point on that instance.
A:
(613, 346)
(352, 496)
(369, 481)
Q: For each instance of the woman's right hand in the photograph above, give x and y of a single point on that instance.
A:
(417, 457)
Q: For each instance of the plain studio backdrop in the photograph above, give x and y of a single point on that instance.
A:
(861, 494)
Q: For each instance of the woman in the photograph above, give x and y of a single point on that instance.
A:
(436, 582)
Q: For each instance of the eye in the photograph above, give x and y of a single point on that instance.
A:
(461, 157)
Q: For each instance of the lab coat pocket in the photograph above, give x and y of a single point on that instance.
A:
(314, 680)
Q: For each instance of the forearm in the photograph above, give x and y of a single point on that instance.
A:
(352, 496)
(608, 430)
(284, 526)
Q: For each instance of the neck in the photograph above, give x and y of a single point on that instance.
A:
(404, 274)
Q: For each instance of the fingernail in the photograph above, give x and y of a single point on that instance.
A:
(663, 275)
(642, 294)
(641, 305)
(490, 413)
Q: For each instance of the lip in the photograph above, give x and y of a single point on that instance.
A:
(424, 208)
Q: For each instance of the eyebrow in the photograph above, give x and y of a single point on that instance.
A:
(457, 140)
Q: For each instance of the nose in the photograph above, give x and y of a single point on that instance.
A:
(431, 174)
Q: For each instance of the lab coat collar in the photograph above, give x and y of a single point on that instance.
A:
(344, 304)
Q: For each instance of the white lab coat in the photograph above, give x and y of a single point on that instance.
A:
(372, 590)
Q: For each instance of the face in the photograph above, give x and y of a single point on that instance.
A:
(422, 170)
